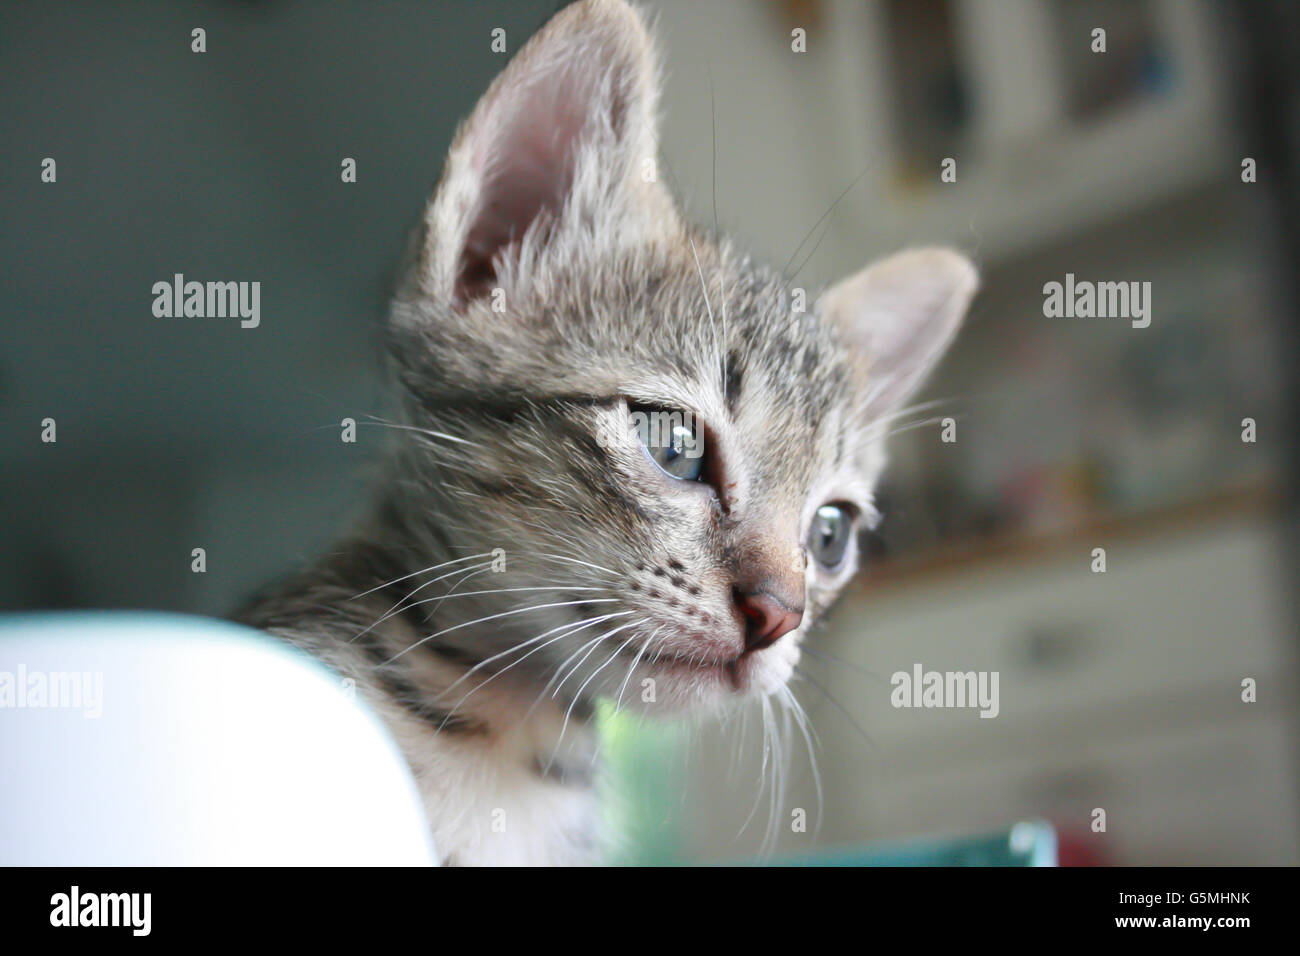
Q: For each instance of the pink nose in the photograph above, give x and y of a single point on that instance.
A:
(766, 619)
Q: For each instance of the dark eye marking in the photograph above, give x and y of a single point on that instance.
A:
(735, 377)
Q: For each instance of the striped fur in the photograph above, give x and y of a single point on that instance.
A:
(524, 557)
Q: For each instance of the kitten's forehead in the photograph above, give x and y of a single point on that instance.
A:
(672, 321)
(777, 374)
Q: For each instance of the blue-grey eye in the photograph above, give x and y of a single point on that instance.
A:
(828, 538)
(672, 439)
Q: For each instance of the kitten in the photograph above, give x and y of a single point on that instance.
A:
(625, 462)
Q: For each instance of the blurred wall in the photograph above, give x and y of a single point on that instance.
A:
(174, 435)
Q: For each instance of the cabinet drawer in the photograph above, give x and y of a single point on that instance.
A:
(1191, 614)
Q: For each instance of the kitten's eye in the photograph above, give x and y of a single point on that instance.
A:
(828, 538)
(672, 439)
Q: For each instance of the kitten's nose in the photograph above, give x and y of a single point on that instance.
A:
(766, 619)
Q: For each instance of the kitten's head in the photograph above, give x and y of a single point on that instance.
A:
(672, 460)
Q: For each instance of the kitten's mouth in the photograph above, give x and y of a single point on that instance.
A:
(733, 669)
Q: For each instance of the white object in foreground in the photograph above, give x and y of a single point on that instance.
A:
(153, 739)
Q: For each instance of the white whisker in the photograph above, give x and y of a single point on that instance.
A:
(493, 617)
(436, 567)
(571, 629)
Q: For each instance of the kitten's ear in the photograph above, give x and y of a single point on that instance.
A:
(901, 314)
(559, 141)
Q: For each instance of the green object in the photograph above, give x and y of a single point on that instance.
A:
(643, 786)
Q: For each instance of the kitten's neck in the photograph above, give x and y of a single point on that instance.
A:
(507, 774)
(391, 601)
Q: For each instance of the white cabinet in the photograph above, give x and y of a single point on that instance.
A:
(1119, 690)
(1029, 171)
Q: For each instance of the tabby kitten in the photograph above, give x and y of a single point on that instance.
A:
(627, 469)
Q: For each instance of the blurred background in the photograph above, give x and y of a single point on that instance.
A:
(1119, 690)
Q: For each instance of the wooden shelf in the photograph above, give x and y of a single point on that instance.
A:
(1012, 548)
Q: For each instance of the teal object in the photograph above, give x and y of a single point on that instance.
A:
(1032, 843)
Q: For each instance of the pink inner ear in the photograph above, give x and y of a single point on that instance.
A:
(526, 158)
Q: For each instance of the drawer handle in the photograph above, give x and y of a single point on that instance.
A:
(1055, 646)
